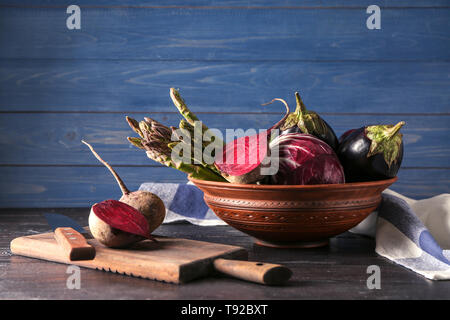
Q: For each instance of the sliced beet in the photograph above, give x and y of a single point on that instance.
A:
(123, 217)
(147, 203)
(241, 159)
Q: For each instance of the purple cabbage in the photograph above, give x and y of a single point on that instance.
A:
(305, 159)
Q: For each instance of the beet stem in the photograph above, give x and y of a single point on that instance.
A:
(276, 125)
(114, 173)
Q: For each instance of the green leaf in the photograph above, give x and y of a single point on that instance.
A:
(386, 139)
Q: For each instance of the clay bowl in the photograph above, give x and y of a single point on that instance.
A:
(293, 216)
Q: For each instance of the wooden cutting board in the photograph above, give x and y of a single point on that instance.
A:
(170, 259)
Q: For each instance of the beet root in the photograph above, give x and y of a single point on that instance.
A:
(109, 236)
(117, 224)
(242, 159)
(147, 203)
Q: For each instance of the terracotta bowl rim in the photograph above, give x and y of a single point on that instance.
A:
(365, 184)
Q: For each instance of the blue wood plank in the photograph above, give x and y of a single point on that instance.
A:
(383, 87)
(226, 34)
(422, 183)
(72, 186)
(82, 187)
(54, 139)
(230, 3)
(129, 53)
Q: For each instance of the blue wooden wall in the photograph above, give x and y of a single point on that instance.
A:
(58, 86)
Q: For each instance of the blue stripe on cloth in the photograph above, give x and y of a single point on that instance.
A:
(400, 214)
(188, 201)
(429, 245)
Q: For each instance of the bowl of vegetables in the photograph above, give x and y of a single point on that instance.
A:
(293, 215)
(322, 186)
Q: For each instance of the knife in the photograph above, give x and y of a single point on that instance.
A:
(71, 237)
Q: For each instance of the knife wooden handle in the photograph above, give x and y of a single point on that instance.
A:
(74, 244)
(264, 273)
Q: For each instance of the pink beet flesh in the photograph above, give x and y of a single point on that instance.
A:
(304, 159)
(243, 154)
(121, 216)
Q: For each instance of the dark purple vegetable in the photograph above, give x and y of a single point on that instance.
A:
(345, 135)
(371, 152)
(304, 159)
(305, 121)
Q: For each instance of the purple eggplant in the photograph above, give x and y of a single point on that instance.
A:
(305, 121)
(371, 152)
(345, 135)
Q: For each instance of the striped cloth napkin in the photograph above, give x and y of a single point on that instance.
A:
(412, 233)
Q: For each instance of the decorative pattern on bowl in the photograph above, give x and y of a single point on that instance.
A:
(293, 215)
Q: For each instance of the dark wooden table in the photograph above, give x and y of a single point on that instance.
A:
(338, 271)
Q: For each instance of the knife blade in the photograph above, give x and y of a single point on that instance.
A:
(71, 237)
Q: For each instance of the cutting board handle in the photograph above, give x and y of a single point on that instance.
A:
(260, 272)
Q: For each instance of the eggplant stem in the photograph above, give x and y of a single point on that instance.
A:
(300, 108)
(114, 173)
(393, 131)
(276, 125)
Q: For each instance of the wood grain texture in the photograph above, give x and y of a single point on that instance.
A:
(170, 259)
(335, 272)
(54, 139)
(123, 85)
(225, 34)
(83, 186)
(237, 4)
(58, 86)
(73, 186)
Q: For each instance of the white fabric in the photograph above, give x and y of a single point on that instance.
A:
(433, 212)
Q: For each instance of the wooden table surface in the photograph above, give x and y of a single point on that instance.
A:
(338, 271)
